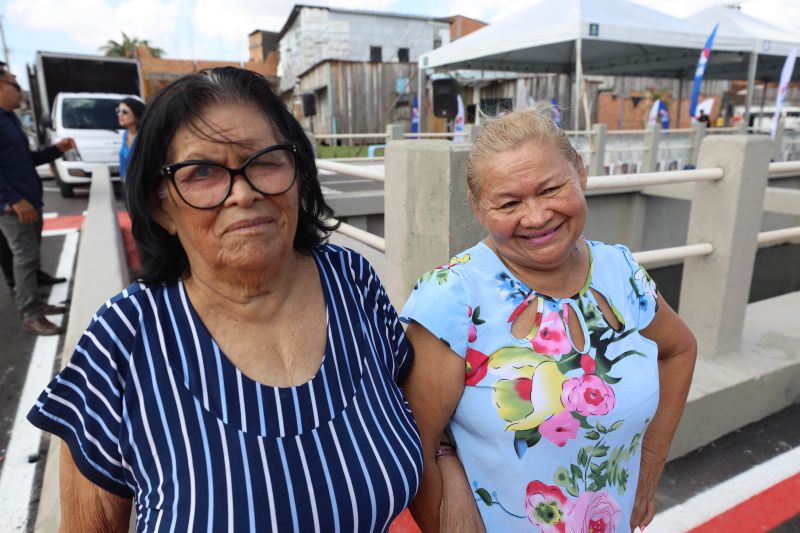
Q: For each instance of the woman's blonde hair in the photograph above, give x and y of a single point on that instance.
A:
(513, 129)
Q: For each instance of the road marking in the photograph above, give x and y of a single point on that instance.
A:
(763, 512)
(16, 478)
(45, 216)
(727, 495)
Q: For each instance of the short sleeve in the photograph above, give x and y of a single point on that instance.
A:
(641, 289)
(439, 304)
(83, 404)
(388, 326)
(401, 348)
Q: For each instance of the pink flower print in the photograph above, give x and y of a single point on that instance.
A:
(551, 339)
(588, 395)
(476, 366)
(560, 428)
(587, 364)
(545, 506)
(593, 511)
(472, 333)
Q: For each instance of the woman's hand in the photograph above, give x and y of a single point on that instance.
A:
(677, 352)
(458, 511)
(644, 506)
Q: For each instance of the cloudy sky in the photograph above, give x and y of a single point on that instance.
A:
(213, 29)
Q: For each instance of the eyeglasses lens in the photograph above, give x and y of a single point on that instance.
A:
(121, 111)
(207, 185)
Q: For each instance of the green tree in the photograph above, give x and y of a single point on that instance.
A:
(127, 47)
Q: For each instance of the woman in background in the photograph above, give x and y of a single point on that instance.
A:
(129, 113)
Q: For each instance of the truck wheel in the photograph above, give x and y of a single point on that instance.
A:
(66, 189)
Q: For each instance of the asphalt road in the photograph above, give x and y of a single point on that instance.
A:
(16, 345)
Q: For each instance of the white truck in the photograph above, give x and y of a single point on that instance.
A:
(76, 96)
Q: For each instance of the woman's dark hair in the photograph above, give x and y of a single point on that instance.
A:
(183, 102)
(134, 105)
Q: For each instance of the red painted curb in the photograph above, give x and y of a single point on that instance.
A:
(65, 222)
(763, 512)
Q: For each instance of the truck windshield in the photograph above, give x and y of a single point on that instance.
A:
(90, 114)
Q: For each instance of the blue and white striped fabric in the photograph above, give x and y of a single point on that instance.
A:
(152, 409)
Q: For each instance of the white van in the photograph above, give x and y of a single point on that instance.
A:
(761, 121)
(90, 119)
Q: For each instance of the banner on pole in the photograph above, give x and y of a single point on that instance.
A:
(458, 126)
(701, 70)
(414, 115)
(783, 87)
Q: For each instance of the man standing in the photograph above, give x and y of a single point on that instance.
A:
(21, 207)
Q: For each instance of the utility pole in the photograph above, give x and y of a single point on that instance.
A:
(3, 38)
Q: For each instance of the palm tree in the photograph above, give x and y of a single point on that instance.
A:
(127, 47)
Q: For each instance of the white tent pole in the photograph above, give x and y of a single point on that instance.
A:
(751, 84)
(578, 82)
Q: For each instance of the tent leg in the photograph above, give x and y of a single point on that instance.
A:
(751, 85)
(680, 100)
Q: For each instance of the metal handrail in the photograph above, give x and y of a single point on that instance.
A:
(784, 167)
(350, 136)
(779, 236)
(676, 130)
(626, 132)
(623, 181)
(433, 135)
(672, 256)
(351, 170)
(370, 239)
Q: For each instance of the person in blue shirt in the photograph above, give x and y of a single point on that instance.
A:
(129, 114)
(21, 207)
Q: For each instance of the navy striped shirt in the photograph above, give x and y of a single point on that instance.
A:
(152, 409)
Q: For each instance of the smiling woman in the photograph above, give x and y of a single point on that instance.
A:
(249, 380)
(560, 370)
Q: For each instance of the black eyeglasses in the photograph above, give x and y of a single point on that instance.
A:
(13, 84)
(205, 184)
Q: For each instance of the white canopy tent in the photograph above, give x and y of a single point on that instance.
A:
(607, 37)
(770, 44)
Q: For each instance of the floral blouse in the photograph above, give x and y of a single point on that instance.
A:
(549, 432)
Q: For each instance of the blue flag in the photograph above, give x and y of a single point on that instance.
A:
(663, 114)
(414, 115)
(701, 69)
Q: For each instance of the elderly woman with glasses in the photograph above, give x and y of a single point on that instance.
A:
(249, 380)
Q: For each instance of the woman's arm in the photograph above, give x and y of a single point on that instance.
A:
(85, 507)
(677, 351)
(433, 389)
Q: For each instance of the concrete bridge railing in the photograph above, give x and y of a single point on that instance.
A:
(745, 371)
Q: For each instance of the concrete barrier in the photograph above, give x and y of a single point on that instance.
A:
(101, 271)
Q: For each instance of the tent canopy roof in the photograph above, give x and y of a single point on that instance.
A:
(618, 37)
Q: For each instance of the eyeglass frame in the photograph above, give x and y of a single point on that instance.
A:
(123, 111)
(168, 171)
(13, 84)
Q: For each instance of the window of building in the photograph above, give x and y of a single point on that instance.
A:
(402, 55)
(375, 55)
